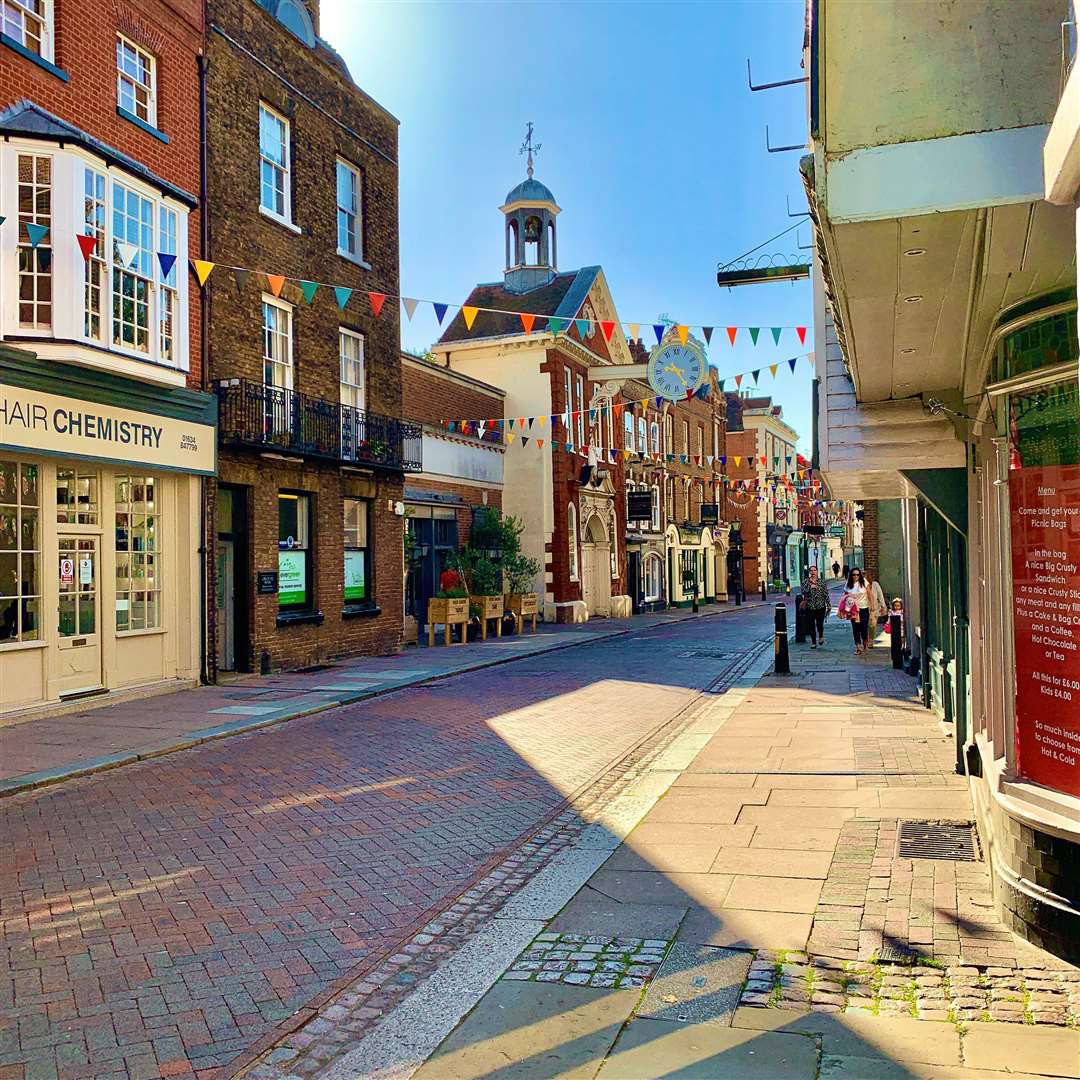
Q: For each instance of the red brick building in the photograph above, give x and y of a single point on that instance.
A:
(302, 182)
(106, 435)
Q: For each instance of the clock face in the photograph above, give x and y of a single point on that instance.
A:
(676, 370)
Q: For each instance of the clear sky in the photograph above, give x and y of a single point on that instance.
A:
(652, 144)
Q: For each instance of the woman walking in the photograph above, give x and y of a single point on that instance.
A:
(815, 598)
(857, 596)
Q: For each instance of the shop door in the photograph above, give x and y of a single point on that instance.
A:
(226, 606)
(79, 615)
(435, 537)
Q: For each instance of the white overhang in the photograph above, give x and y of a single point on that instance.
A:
(1061, 153)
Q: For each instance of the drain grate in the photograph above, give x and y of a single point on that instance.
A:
(707, 654)
(936, 840)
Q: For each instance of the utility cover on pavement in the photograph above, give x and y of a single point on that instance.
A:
(697, 984)
(934, 840)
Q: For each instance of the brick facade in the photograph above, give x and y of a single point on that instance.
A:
(870, 540)
(253, 59)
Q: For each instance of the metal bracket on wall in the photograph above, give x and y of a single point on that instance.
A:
(771, 85)
(781, 149)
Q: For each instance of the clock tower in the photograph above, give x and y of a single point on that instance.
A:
(529, 211)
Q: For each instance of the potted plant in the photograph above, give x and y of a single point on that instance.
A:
(520, 573)
(449, 606)
(482, 576)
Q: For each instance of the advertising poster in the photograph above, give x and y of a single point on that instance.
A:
(355, 587)
(1045, 512)
(292, 578)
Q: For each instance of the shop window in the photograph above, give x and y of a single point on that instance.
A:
(29, 22)
(349, 211)
(296, 583)
(76, 497)
(358, 559)
(628, 429)
(35, 263)
(132, 285)
(1045, 343)
(274, 164)
(138, 554)
(136, 80)
(572, 540)
(20, 553)
(654, 577)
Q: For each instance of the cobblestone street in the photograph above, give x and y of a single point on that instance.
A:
(162, 918)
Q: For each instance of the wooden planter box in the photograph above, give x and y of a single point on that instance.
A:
(523, 606)
(491, 607)
(449, 613)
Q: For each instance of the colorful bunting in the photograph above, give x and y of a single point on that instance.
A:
(775, 334)
(377, 299)
(658, 330)
(440, 312)
(342, 294)
(469, 315)
(791, 364)
(801, 331)
(582, 326)
(635, 330)
(202, 270)
(683, 332)
(556, 326)
(772, 369)
(276, 282)
(527, 322)
(707, 331)
(754, 331)
(166, 262)
(127, 252)
(731, 332)
(87, 245)
(240, 277)
(409, 306)
(608, 328)
(309, 289)
(755, 375)
(35, 233)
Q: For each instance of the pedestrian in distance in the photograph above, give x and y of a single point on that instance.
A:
(836, 569)
(816, 603)
(856, 601)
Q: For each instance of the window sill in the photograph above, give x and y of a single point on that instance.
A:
(33, 57)
(283, 222)
(300, 618)
(143, 125)
(356, 611)
(19, 646)
(355, 260)
(141, 633)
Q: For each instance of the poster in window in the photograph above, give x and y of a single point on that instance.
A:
(292, 578)
(1044, 492)
(355, 585)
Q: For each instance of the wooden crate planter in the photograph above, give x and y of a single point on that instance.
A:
(523, 606)
(491, 607)
(449, 612)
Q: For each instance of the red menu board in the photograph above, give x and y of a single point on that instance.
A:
(1046, 622)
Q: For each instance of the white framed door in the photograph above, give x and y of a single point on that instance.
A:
(79, 613)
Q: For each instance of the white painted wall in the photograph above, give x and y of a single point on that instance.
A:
(452, 459)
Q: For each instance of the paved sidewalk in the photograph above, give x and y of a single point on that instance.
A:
(732, 915)
(45, 749)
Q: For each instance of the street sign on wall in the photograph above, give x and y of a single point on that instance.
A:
(837, 530)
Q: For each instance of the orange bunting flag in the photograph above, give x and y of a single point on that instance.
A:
(731, 332)
(469, 314)
(527, 322)
(540, 442)
(683, 332)
(276, 283)
(521, 421)
(608, 328)
(202, 269)
(772, 369)
(377, 300)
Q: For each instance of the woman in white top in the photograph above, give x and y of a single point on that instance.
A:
(860, 626)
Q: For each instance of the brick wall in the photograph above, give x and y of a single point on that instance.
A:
(471, 497)
(85, 48)
(436, 394)
(870, 540)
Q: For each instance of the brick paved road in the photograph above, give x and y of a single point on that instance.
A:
(158, 919)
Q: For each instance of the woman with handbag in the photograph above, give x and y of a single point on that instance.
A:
(855, 605)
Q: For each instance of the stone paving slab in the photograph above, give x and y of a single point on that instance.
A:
(696, 984)
(591, 913)
(1050, 1051)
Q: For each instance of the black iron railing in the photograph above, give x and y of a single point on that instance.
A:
(253, 414)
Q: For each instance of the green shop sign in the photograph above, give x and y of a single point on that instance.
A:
(292, 578)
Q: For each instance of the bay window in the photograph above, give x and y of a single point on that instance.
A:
(35, 260)
(133, 242)
(94, 223)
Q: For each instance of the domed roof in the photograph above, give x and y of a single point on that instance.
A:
(530, 191)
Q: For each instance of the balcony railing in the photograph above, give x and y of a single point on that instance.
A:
(271, 418)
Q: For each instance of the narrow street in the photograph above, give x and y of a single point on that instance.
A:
(162, 918)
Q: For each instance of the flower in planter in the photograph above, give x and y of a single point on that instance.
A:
(449, 579)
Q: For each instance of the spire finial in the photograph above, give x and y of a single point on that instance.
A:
(528, 148)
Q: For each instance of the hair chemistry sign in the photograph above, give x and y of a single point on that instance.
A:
(1044, 491)
(38, 423)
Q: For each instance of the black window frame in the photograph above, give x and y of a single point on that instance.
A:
(368, 603)
(309, 604)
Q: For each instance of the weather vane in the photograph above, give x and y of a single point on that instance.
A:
(528, 148)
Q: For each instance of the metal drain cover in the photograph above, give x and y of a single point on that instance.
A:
(707, 654)
(935, 840)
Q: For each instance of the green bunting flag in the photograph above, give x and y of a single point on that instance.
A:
(556, 325)
(776, 331)
(309, 289)
(342, 294)
(582, 327)
(754, 331)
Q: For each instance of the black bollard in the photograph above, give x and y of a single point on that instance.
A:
(781, 666)
(801, 619)
(763, 593)
(896, 642)
(738, 596)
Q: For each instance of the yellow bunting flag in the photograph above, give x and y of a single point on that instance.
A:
(509, 436)
(683, 332)
(276, 283)
(635, 330)
(543, 420)
(738, 461)
(772, 369)
(202, 269)
(470, 315)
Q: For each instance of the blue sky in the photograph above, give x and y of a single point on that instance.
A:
(652, 144)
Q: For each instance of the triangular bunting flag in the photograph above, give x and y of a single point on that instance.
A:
(540, 443)
(527, 322)
(36, 233)
(468, 313)
(683, 332)
(556, 326)
(543, 421)
(87, 245)
(792, 363)
(731, 332)
(582, 326)
(658, 330)
(738, 380)
(309, 289)
(509, 436)
(659, 402)
(202, 269)
(776, 331)
(240, 276)
(772, 369)
(707, 333)
(702, 392)
(722, 381)
(635, 330)
(608, 328)
(521, 421)
(377, 299)
(276, 283)
(754, 331)
(410, 307)
(524, 440)
(755, 374)
(801, 331)
(165, 262)
(440, 312)
(127, 252)
(342, 294)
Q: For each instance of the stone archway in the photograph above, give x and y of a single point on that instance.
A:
(596, 566)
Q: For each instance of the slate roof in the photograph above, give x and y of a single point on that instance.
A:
(32, 121)
(561, 297)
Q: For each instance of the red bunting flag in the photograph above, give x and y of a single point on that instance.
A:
(738, 380)
(608, 328)
(527, 322)
(377, 300)
(801, 331)
(731, 332)
(87, 245)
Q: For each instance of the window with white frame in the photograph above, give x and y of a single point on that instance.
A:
(167, 298)
(568, 390)
(572, 540)
(349, 211)
(133, 284)
(628, 430)
(613, 529)
(700, 441)
(30, 23)
(654, 437)
(686, 437)
(274, 165)
(655, 508)
(94, 224)
(20, 552)
(277, 343)
(351, 351)
(35, 260)
(580, 410)
(609, 422)
(642, 439)
(138, 554)
(136, 81)
(716, 438)
(669, 436)
(654, 577)
(669, 500)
